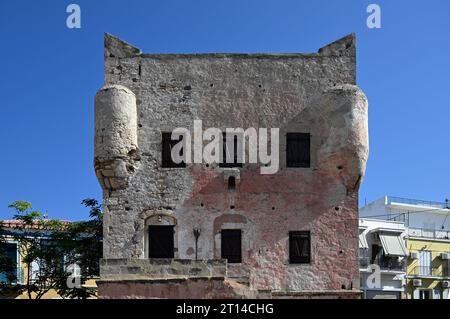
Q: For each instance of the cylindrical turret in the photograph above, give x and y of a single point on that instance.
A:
(115, 122)
(115, 141)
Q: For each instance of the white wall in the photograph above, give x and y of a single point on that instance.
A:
(374, 210)
(415, 216)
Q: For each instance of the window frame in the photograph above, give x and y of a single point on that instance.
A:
(299, 136)
(293, 259)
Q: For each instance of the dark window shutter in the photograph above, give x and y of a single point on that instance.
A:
(232, 245)
(226, 149)
(298, 146)
(299, 247)
(161, 243)
(167, 144)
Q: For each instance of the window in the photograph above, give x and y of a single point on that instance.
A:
(228, 146)
(424, 263)
(425, 294)
(231, 245)
(231, 183)
(384, 260)
(56, 258)
(167, 144)
(8, 252)
(299, 247)
(160, 242)
(298, 149)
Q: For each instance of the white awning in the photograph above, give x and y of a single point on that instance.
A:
(363, 240)
(393, 245)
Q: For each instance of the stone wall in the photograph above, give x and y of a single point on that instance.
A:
(137, 269)
(180, 288)
(314, 93)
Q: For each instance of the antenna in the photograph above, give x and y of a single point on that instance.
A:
(446, 207)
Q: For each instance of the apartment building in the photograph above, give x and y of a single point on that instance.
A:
(427, 240)
(382, 258)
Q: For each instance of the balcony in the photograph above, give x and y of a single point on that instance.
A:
(429, 233)
(390, 264)
(428, 271)
(385, 263)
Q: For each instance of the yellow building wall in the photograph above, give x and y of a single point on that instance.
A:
(51, 294)
(436, 247)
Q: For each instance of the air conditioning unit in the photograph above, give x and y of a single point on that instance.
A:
(414, 255)
(417, 282)
(445, 284)
(445, 256)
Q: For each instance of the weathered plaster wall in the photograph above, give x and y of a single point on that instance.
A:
(313, 93)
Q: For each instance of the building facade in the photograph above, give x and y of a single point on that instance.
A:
(383, 257)
(12, 250)
(16, 251)
(199, 230)
(427, 241)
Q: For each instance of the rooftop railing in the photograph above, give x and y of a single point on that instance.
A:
(409, 201)
(429, 233)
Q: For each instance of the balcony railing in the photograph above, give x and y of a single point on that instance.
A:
(427, 271)
(429, 233)
(386, 264)
(400, 200)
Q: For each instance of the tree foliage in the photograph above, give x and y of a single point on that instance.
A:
(50, 249)
(7, 265)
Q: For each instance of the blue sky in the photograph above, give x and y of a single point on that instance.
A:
(50, 75)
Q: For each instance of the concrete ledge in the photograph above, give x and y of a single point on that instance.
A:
(161, 269)
(156, 280)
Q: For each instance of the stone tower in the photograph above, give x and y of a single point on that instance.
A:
(200, 230)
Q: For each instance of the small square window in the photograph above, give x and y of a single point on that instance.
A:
(167, 144)
(298, 147)
(299, 247)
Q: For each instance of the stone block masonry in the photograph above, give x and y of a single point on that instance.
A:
(314, 94)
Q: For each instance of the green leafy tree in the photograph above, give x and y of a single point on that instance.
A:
(82, 242)
(57, 247)
(32, 249)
